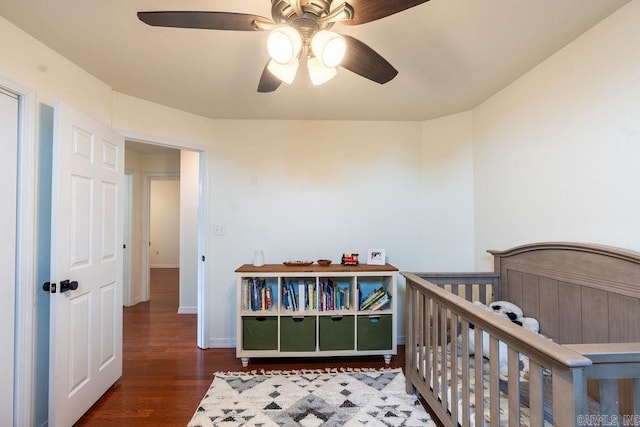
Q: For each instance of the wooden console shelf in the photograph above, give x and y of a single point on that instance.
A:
(306, 311)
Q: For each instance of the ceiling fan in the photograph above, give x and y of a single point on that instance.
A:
(300, 29)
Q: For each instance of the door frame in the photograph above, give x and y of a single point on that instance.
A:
(25, 253)
(126, 268)
(203, 226)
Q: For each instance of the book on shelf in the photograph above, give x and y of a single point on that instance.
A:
(257, 295)
(375, 300)
(381, 303)
(298, 297)
(333, 297)
(371, 297)
(302, 300)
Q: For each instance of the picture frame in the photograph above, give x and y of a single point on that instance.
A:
(376, 257)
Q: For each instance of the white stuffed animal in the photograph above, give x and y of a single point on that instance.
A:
(508, 311)
(528, 323)
(502, 347)
(507, 308)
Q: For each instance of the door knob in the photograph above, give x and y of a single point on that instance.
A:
(49, 287)
(66, 285)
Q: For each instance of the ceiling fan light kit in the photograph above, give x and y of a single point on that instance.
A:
(299, 29)
(284, 44)
(318, 73)
(329, 48)
(284, 72)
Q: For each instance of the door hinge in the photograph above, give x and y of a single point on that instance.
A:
(202, 258)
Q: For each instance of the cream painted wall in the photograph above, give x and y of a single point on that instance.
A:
(301, 194)
(448, 187)
(556, 153)
(164, 223)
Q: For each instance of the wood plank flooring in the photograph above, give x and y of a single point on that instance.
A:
(165, 374)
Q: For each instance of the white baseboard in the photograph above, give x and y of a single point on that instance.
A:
(187, 310)
(135, 301)
(165, 265)
(222, 343)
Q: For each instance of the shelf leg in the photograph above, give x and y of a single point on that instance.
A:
(245, 361)
(387, 359)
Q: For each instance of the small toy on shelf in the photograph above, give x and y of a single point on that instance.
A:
(349, 259)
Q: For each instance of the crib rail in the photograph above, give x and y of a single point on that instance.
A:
(616, 372)
(435, 317)
(470, 286)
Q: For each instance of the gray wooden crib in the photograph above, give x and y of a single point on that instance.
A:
(583, 367)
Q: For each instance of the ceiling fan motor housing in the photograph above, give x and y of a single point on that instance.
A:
(284, 12)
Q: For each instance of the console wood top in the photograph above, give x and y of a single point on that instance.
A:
(315, 268)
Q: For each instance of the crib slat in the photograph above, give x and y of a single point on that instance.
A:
(536, 394)
(412, 338)
(453, 354)
(514, 387)
(494, 383)
(479, 386)
(465, 374)
(482, 291)
(422, 325)
(609, 399)
(434, 353)
(428, 342)
(443, 357)
(636, 396)
(455, 289)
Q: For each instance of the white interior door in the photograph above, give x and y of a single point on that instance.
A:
(86, 250)
(8, 177)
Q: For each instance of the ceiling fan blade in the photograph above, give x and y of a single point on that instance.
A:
(268, 82)
(364, 61)
(204, 20)
(370, 10)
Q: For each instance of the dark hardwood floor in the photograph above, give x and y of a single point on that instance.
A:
(165, 374)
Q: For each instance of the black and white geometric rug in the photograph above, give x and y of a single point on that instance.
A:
(350, 397)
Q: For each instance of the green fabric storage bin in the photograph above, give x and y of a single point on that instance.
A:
(336, 333)
(298, 333)
(375, 332)
(260, 333)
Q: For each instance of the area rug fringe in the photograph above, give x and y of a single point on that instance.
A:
(274, 372)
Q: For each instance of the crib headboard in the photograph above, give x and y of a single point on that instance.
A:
(580, 293)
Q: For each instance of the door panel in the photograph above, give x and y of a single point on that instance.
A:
(86, 322)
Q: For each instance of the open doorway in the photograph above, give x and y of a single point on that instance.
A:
(165, 185)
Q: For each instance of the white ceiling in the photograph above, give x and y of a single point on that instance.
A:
(451, 55)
